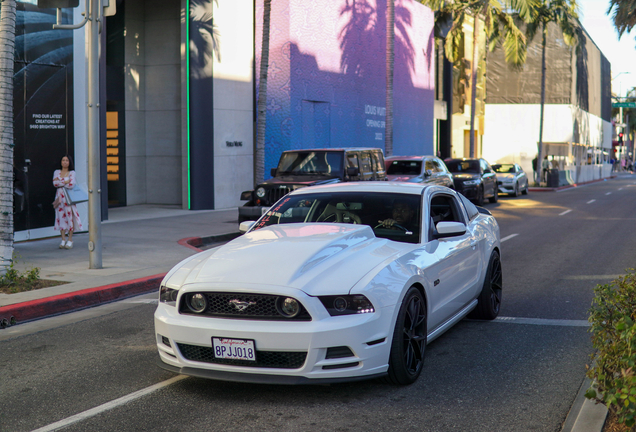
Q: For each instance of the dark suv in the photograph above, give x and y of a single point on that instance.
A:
(301, 168)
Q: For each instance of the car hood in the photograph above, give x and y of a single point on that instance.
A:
(308, 180)
(319, 259)
(465, 176)
(404, 178)
(505, 176)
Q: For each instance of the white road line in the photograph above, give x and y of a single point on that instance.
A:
(565, 212)
(109, 405)
(541, 321)
(620, 188)
(609, 193)
(591, 277)
(590, 201)
(508, 238)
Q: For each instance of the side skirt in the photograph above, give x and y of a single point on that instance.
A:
(450, 322)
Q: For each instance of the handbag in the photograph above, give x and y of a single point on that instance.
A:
(76, 195)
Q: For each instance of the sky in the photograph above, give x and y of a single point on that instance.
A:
(620, 53)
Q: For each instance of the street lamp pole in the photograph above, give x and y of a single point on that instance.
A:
(92, 20)
(94, 187)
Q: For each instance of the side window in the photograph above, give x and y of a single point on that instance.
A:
(484, 166)
(428, 165)
(470, 208)
(441, 167)
(444, 208)
(365, 165)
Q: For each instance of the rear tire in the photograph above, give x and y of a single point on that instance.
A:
(409, 340)
(489, 300)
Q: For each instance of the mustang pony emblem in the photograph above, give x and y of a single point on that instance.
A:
(241, 305)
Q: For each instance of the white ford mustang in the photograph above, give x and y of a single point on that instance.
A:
(334, 283)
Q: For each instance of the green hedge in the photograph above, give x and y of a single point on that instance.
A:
(613, 327)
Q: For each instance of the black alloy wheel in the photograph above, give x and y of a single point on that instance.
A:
(409, 340)
(495, 197)
(489, 300)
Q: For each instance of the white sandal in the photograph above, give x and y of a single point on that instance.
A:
(63, 244)
(69, 245)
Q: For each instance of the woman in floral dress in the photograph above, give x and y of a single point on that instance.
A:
(67, 218)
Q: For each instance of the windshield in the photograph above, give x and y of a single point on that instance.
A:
(461, 166)
(372, 209)
(504, 168)
(405, 167)
(311, 162)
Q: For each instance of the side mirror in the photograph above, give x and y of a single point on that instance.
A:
(428, 173)
(273, 172)
(245, 226)
(450, 229)
(353, 171)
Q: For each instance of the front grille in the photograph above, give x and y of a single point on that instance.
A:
(261, 306)
(264, 359)
(276, 193)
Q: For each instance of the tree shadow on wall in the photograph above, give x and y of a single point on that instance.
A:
(205, 38)
(366, 26)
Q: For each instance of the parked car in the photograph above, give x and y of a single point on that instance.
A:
(300, 168)
(474, 178)
(418, 169)
(511, 179)
(324, 288)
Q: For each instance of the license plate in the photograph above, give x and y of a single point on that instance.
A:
(234, 349)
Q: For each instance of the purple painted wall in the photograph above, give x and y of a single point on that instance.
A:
(327, 75)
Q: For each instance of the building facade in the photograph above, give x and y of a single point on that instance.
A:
(577, 129)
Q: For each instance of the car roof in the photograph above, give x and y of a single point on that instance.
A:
(392, 158)
(336, 149)
(462, 159)
(369, 186)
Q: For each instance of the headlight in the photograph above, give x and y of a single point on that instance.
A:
(471, 182)
(260, 192)
(347, 304)
(168, 296)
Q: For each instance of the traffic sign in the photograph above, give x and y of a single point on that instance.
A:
(624, 105)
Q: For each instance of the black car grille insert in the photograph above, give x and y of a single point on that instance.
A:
(243, 306)
(264, 359)
(276, 193)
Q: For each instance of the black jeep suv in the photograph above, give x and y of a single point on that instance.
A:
(301, 168)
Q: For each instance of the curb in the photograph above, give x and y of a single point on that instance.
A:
(196, 242)
(70, 302)
(585, 415)
(569, 186)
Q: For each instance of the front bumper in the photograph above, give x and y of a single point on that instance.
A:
(471, 192)
(507, 188)
(368, 336)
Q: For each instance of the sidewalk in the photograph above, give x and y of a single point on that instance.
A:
(140, 244)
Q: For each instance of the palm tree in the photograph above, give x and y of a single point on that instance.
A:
(259, 157)
(564, 14)
(390, 56)
(498, 18)
(624, 15)
(7, 56)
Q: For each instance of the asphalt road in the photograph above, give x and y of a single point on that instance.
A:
(520, 373)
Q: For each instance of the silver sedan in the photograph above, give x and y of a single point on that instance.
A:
(511, 179)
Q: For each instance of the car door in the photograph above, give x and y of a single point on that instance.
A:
(379, 170)
(366, 167)
(455, 270)
(353, 162)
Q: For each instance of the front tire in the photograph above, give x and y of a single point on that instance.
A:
(516, 192)
(480, 197)
(489, 300)
(495, 197)
(409, 340)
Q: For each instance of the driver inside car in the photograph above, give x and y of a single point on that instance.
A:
(402, 215)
